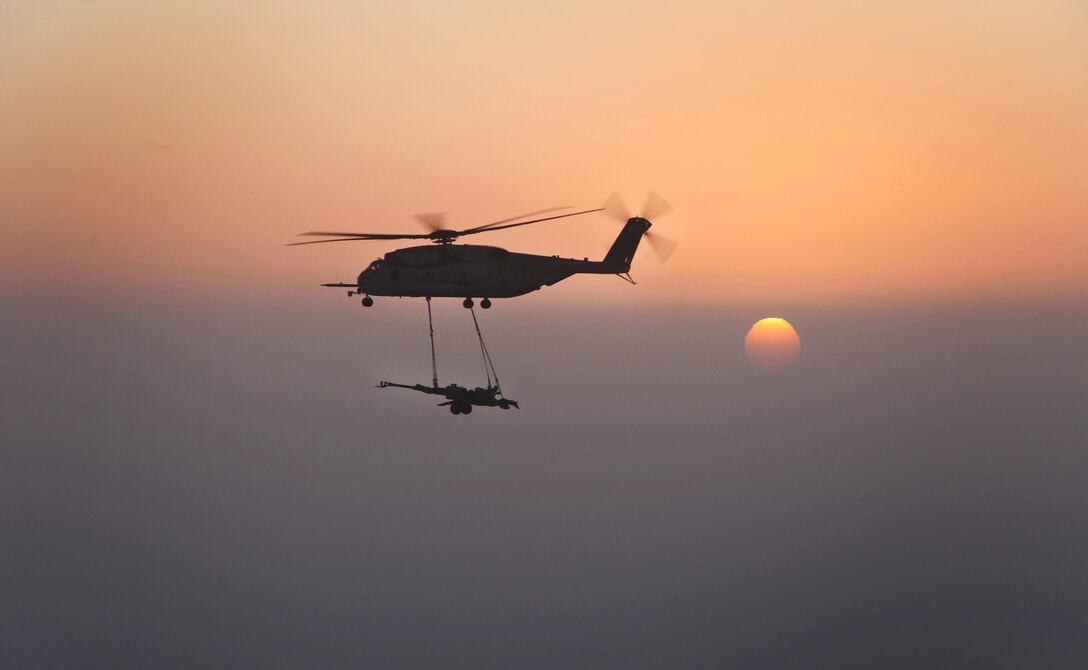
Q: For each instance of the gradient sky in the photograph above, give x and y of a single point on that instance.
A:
(831, 151)
(196, 470)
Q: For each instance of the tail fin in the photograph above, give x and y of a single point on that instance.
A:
(618, 258)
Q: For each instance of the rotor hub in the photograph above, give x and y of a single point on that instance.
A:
(444, 236)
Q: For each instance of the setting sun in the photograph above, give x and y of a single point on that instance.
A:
(772, 343)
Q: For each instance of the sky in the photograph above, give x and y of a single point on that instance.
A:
(833, 151)
(197, 471)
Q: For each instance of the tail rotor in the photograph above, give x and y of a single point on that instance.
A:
(654, 207)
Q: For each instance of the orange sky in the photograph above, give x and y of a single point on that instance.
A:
(896, 150)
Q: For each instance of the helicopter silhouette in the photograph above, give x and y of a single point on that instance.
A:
(447, 270)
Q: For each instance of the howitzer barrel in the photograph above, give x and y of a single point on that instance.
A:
(385, 384)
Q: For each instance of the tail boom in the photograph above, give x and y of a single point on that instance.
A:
(618, 259)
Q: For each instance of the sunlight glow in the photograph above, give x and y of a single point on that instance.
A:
(772, 343)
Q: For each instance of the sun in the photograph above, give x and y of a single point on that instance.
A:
(772, 343)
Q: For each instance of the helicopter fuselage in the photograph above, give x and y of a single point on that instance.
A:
(466, 271)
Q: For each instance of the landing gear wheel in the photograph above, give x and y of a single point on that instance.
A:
(486, 303)
(468, 303)
(368, 301)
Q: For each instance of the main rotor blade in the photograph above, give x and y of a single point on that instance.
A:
(435, 220)
(431, 220)
(655, 206)
(376, 236)
(514, 218)
(663, 246)
(525, 223)
(355, 238)
(615, 208)
(319, 242)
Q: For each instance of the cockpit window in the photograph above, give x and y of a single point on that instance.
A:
(375, 265)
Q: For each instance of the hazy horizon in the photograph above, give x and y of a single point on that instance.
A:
(193, 486)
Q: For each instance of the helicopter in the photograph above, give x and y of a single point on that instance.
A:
(447, 270)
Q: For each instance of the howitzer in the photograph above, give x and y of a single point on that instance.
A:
(460, 399)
